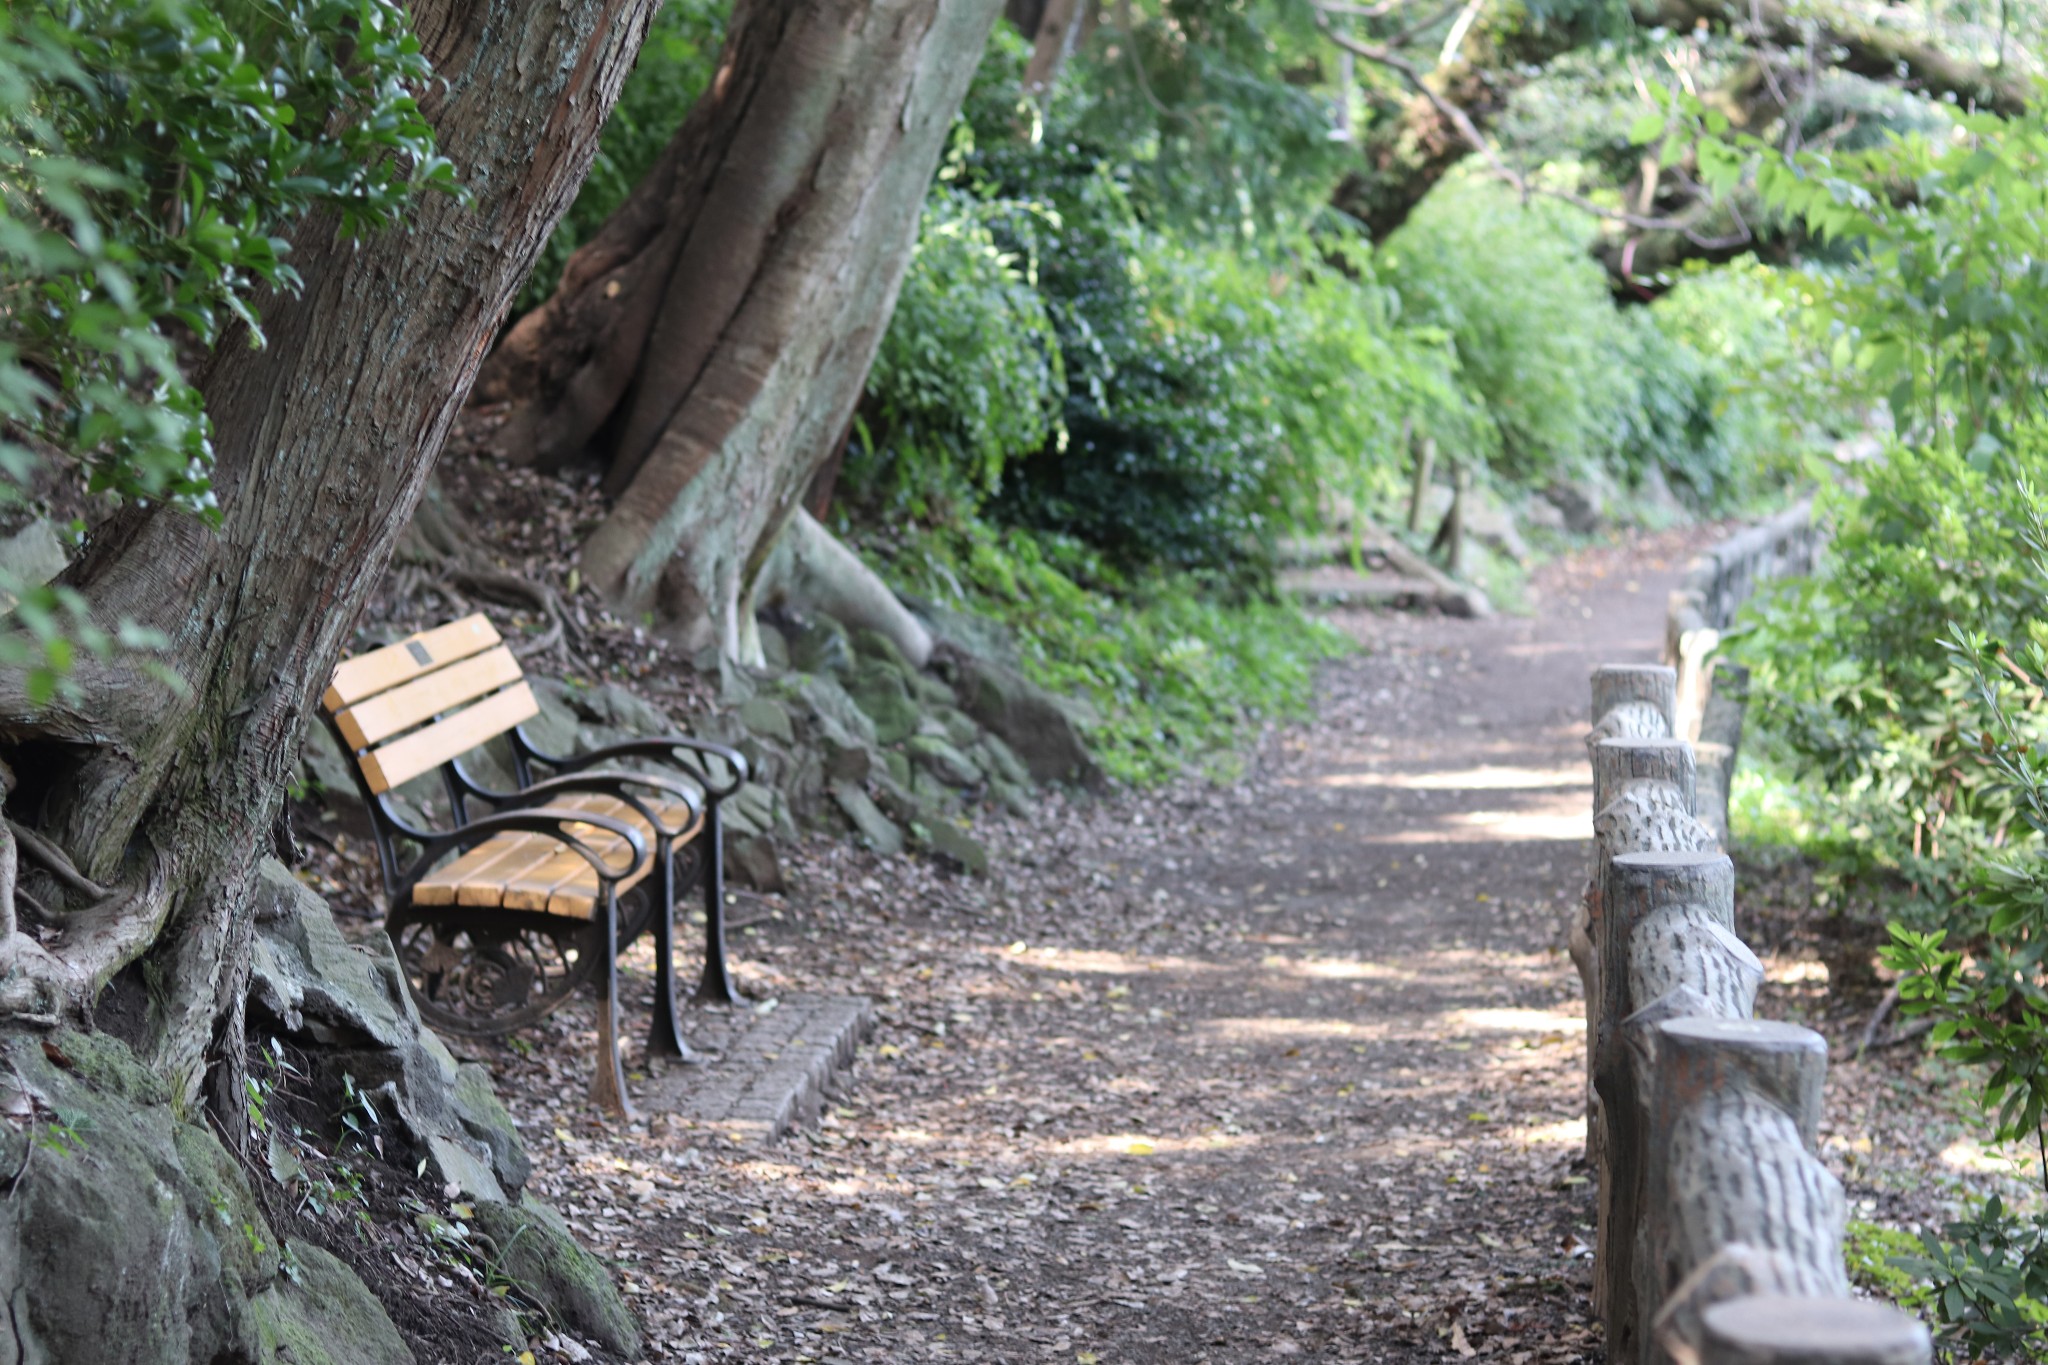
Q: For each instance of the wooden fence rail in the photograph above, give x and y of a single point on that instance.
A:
(1720, 1231)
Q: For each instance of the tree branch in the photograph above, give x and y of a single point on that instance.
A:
(1469, 132)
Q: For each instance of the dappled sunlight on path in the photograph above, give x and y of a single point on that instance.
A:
(1289, 1068)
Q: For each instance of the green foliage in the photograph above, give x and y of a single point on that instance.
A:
(1529, 312)
(1850, 681)
(152, 154)
(969, 373)
(1872, 1251)
(1943, 310)
(1177, 670)
(1208, 107)
(673, 68)
(1988, 1278)
(1562, 381)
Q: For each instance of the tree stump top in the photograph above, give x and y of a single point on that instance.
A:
(1782, 1330)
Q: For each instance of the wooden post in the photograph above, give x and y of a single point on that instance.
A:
(1731, 1118)
(1418, 492)
(1781, 1330)
(1644, 794)
(1669, 944)
(1452, 533)
(1619, 684)
(1727, 694)
(1673, 928)
(1624, 762)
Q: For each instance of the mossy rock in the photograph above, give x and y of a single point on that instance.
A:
(533, 1249)
(135, 1228)
(873, 645)
(769, 719)
(877, 829)
(1000, 760)
(319, 1313)
(838, 717)
(885, 699)
(960, 728)
(950, 841)
(820, 645)
(944, 761)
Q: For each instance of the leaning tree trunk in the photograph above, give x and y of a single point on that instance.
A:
(325, 438)
(710, 343)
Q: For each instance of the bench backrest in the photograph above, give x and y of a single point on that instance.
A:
(409, 707)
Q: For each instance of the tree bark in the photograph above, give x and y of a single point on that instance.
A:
(713, 338)
(1059, 28)
(325, 438)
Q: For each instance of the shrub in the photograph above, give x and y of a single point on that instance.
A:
(1177, 668)
(152, 156)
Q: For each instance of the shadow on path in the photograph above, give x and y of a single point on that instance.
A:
(1287, 1068)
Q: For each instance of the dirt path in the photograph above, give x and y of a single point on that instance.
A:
(1286, 1068)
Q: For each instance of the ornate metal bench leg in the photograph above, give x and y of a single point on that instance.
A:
(715, 987)
(664, 1032)
(608, 1079)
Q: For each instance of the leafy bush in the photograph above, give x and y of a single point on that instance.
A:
(1564, 381)
(152, 154)
(1909, 677)
(1176, 669)
(1942, 309)
(1536, 331)
(968, 375)
(1850, 681)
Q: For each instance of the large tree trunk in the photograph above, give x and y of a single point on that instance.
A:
(710, 343)
(325, 438)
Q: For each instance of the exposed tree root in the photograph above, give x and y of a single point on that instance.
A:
(809, 567)
(55, 861)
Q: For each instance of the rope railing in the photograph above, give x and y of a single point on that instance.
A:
(1720, 1231)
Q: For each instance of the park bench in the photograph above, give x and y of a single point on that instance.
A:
(498, 918)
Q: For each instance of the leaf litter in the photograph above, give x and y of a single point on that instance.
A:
(1289, 1065)
(1286, 1066)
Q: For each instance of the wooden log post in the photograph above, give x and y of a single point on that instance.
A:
(1645, 788)
(1651, 763)
(1733, 1110)
(1644, 792)
(1639, 700)
(1669, 947)
(1418, 493)
(1720, 739)
(1776, 1329)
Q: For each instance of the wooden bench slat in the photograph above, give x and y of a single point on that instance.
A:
(524, 871)
(426, 749)
(484, 884)
(502, 854)
(535, 888)
(388, 713)
(382, 669)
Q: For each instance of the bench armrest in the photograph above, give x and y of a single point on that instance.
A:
(626, 786)
(552, 822)
(669, 748)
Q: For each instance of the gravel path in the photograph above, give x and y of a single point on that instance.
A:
(1285, 1067)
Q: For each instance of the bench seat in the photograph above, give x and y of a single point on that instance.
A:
(533, 872)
